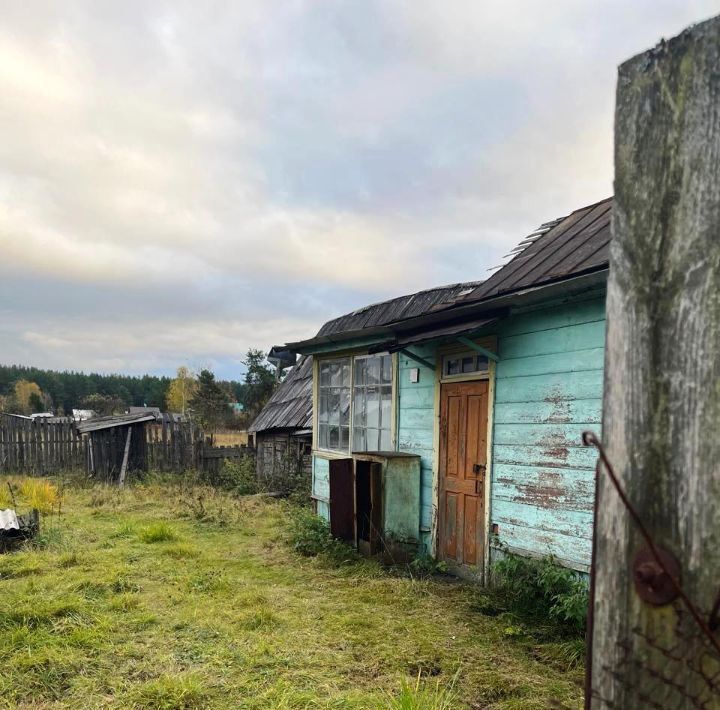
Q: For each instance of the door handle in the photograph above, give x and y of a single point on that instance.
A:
(478, 486)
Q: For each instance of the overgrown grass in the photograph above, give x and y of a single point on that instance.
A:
(547, 598)
(224, 613)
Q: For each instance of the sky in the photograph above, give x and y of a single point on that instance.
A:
(182, 181)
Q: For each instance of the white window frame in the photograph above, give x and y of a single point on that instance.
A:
(333, 453)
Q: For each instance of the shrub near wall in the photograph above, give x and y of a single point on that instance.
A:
(541, 590)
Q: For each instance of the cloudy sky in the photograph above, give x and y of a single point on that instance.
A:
(180, 181)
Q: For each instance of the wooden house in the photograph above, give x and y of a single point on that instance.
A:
(282, 432)
(488, 387)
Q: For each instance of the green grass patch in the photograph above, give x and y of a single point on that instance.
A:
(142, 601)
(158, 532)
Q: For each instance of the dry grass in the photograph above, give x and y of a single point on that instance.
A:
(132, 600)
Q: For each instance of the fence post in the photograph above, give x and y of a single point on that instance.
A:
(662, 386)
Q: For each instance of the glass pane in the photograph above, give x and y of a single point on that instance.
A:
(324, 374)
(468, 364)
(386, 368)
(360, 378)
(346, 373)
(482, 363)
(344, 406)
(373, 406)
(452, 366)
(385, 442)
(323, 436)
(373, 439)
(359, 439)
(359, 407)
(333, 397)
(344, 437)
(323, 404)
(386, 408)
(372, 365)
(336, 374)
(334, 437)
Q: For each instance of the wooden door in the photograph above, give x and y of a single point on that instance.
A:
(342, 499)
(463, 463)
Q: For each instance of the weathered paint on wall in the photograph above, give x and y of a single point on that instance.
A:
(321, 486)
(415, 433)
(548, 390)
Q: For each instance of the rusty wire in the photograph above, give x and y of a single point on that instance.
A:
(590, 439)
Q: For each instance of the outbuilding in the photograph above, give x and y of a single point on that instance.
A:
(489, 386)
(282, 432)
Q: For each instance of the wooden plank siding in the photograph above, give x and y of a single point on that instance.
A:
(416, 426)
(548, 390)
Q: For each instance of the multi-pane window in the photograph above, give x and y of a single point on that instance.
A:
(464, 364)
(334, 405)
(367, 380)
(372, 403)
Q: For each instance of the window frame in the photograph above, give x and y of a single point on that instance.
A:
(351, 356)
(459, 376)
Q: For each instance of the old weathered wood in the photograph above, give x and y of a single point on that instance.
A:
(126, 453)
(662, 392)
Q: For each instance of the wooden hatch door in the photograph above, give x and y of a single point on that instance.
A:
(342, 499)
(463, 463)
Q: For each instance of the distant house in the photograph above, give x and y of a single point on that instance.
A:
(451, 419)
(80, 415)
(282, 432)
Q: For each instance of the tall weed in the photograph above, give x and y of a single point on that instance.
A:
(542, 589)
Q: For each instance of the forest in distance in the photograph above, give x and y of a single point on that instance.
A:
(63, 391)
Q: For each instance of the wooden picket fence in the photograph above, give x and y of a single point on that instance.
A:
(173, 446)
(47, 446)
(40, 446)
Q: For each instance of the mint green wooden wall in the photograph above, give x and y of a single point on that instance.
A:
(415, 420)
(321, 486)
(548, 390)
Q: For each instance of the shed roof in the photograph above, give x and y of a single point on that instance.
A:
(573, 245)
(290, 407)
(113, 421)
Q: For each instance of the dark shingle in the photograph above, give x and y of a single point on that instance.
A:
(290, 407)
(576, 244)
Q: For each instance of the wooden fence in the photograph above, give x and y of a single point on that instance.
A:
(46, 446)
(212, 457)
(173, 446)
(40, 446)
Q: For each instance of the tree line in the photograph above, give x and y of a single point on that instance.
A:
(25, 390)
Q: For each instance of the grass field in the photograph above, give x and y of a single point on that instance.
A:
(164, 597)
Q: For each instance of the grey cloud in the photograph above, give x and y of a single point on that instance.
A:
(183, 180)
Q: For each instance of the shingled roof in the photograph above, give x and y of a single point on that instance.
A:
(564, 248)
(573, 245)
(396, 309)
(290, 407)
